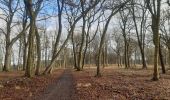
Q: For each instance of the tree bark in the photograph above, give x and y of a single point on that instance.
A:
(161, 60)
(38, 42)
(7, 61)
(155, 29)
(30, 61)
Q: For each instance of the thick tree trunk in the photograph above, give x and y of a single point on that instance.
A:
(156, 69)
(30, 61)
(7, 61)
(143, 59)
(37, 71)
(155, 29)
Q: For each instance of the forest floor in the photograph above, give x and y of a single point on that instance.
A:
(115, 84)
(13, 86)
(121, 84)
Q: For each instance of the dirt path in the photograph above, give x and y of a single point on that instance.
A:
(62, 90)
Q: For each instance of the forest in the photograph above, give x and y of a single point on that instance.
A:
(84, 49)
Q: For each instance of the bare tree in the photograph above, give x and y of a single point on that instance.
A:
(91, 6)
(114, 10)
(124, 25)
(32, 13)
(155, 9)
(8, 16)
(118, 46)
(140, 32)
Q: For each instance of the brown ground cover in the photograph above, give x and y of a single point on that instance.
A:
(115, 84)
(120, 84)
(13, 86)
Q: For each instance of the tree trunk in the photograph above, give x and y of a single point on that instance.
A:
(19, 54)
(74, 50)
(156, 69)
(81, 58)
(128, 56)
(143, 59)
(98, 74)
(161, 60)
(25, 55)
(37, 71)
(118, 60)
(139, 37)
(7, 61)
(30, 61)
(169, 57)
(155, 29)
(125, 53)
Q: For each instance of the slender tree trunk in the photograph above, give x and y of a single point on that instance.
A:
(74, 50)
(25, 55)
(46, 57)
(46, 50)
(169, 57)
(80, 58)
(128, 56)
(19, 54)
(139, 37)
(135, 58)
(102, 44)
(85, 51)
(125, 54)
(118, 60)
(103, 58)
(161, 60)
